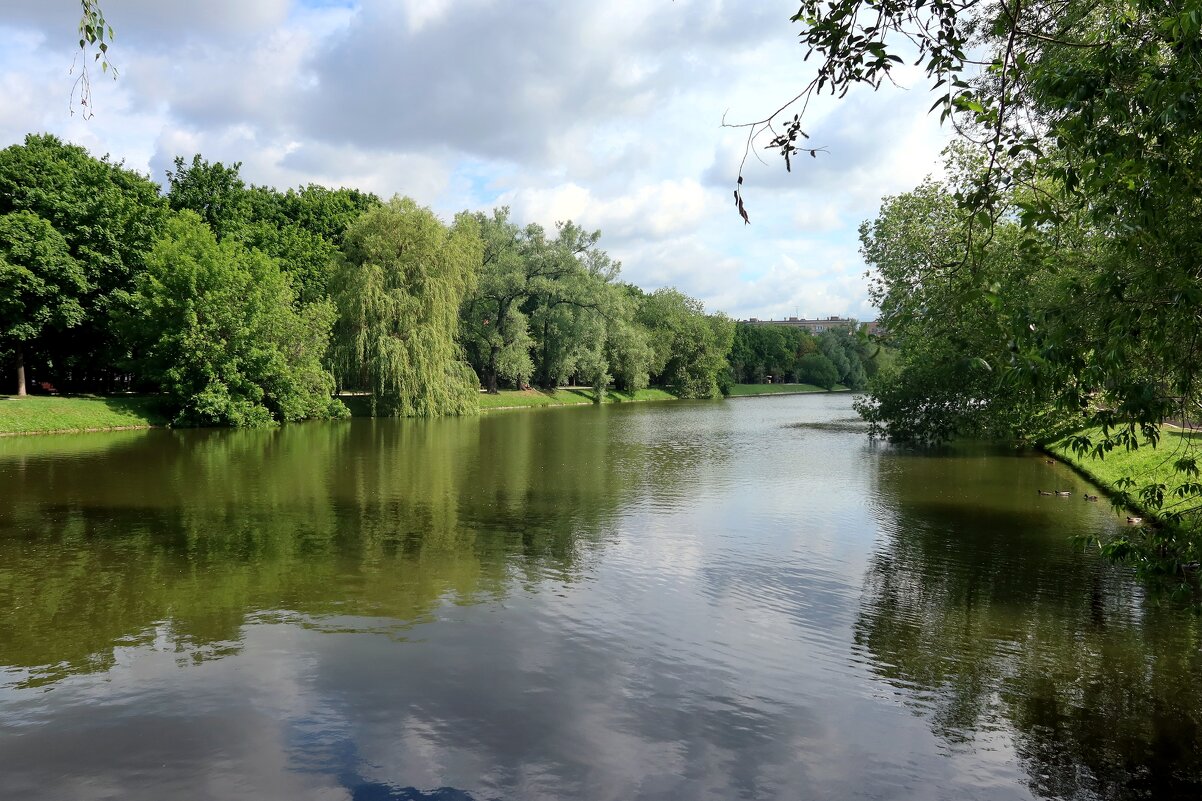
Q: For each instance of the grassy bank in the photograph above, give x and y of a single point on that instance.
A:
(40, 414)
(747, 390)
(1148, 465)
(512, 399)
(360, 405)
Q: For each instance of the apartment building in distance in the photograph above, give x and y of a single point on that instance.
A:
(813, 326)
(817, 326)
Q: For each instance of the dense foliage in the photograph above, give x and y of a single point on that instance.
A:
(220, 334)
(793, 355)
(550, 310)
(245, 305)
(109, 218)
(398, 287)
(39, 283)
(688, 347)
(1053, 283)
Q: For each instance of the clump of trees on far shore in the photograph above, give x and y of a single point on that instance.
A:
(244, 305)
(790, 355)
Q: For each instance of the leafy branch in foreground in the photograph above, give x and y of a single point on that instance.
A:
(94, 32)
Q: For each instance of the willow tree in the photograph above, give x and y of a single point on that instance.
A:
(398, 286)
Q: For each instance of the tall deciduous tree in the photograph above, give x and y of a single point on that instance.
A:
(569, 309)
(627, 343)
(221, 336)
(1092, 110)
(40, 284)
(952, 338)
(109, 217)
(496, 332)
(689, 346)
(398, 288)
(817, 369)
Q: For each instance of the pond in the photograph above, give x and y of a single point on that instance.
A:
(740, 599)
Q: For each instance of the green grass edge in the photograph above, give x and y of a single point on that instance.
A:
(42, 414)
(1145, 464)
(58, 414)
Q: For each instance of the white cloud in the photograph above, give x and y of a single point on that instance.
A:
(654, 211)
(606, 114)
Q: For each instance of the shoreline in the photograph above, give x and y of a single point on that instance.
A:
(842, 391)
(1145, 465)
(55, 414)
(96, 430)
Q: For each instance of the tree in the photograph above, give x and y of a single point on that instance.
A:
(398, 288)
(844, 350)
(569, 310)
(544, 309)
(302, 228)
(215, 192)
(689, 347)
(495, 330)
(1091, 110)
(40, 284)
(317, 209)
(817, 369)
(109, 218)
(760, 351)
(955, 342)
(628, 349)
(221, 337)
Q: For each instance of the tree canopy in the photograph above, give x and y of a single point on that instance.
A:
(398, 287)
(40, 284)
(1051, 284)
(247, 305)
(220, 335)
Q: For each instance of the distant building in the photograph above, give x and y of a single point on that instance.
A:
(813, 326)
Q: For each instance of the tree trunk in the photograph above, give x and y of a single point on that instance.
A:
(20, 371)
(490, 378)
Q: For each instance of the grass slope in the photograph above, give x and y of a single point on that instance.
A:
(747, 390)
(510, 399)
(1146, 465)
(38, 414)
(360, 405)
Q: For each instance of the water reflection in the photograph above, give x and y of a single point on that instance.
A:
(684, 601)
(984, 622)
(204, 528)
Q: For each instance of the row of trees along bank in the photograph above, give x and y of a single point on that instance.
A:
(244, 305)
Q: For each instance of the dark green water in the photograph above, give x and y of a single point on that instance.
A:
(652, 601)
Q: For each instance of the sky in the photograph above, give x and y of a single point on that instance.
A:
(609, 114)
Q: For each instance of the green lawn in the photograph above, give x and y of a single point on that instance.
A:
(510, 398)
(577, 396)
(40, 414)
(45, 414)
(1146, 464)
(745, 390)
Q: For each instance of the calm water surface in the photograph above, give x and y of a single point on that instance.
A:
(716, 600)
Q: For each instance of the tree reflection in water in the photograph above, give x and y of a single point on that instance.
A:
(983, 621)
